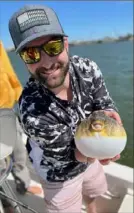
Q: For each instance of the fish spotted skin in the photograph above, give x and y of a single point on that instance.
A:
(100, 124)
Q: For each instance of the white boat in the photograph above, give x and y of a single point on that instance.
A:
(119, 197)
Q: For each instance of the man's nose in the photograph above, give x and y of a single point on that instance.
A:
(46, 61)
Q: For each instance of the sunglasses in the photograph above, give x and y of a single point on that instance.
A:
(31, 55)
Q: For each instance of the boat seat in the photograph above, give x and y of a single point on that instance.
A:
(127, 204)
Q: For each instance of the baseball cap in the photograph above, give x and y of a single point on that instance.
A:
(32, 22)
(8, 132)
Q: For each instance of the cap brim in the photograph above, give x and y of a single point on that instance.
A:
(8, 132)
(36, 36)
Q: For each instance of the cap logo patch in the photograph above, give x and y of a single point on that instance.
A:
(32, 18)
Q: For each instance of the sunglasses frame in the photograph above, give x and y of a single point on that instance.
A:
(40, 48)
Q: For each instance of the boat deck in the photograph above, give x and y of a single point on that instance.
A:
(114, 201)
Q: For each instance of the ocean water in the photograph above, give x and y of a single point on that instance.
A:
(116, 63)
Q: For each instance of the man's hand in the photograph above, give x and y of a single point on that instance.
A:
(114, 115)
(80, 157)
(107, 161)
(84, 159)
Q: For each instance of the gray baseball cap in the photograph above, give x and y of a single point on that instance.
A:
(8, 132)
(32, 22)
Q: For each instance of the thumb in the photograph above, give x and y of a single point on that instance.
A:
(91, 160)
(80, 157)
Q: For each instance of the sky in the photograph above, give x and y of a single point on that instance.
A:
(81, 20)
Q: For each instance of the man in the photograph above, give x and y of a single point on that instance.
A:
(60, 93)
(10, 91)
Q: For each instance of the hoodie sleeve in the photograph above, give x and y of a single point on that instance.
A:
(101, 97)
(95, 83)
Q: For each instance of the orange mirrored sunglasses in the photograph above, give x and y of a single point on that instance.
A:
(31, 55)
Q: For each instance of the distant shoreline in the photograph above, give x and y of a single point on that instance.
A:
(127, 37)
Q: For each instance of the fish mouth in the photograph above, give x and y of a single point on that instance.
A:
(97, 126)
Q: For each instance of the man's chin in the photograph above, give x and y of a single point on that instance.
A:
(54, 85)
(51, 83)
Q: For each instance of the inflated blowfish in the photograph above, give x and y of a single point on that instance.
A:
(100, 136)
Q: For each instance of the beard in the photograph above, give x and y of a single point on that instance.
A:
(53, 77)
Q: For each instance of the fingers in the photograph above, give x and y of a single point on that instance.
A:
(114, 115)
(108, 161)
(91, 160)
(117, 157)
(105, 162)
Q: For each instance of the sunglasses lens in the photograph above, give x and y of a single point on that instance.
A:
(54, 48)
(30, 55)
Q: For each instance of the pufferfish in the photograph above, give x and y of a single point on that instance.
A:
(100, 136)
